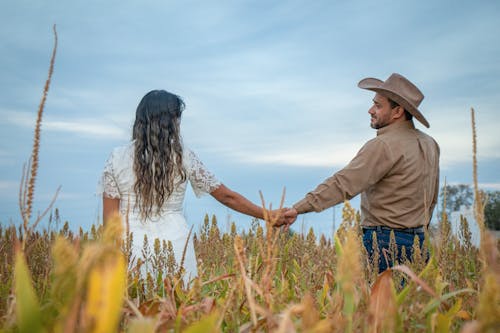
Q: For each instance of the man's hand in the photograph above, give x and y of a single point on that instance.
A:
(286, 217)
(290, 216)
(277, 216)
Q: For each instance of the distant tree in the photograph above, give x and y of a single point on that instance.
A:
(492, 210)
(457, 196)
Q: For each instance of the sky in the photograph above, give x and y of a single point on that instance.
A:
(270, 88)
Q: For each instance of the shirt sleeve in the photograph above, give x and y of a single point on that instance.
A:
(108, 186)
(371, 163)
(436, 186)
(201, 179)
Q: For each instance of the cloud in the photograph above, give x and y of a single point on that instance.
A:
(326, 155)
(490, 186)
(8, 185)
(6, 158)
(9, 189)
(85, 127)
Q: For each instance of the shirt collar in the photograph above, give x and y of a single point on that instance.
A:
(407, 124)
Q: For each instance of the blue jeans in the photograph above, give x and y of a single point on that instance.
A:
(403, 238)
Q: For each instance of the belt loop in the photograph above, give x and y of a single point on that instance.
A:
(379, 228)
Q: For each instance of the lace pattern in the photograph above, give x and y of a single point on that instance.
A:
(118, 179)
(108, 185)
(202, 180)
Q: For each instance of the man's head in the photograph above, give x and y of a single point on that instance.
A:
(385, 111)
(405, 97)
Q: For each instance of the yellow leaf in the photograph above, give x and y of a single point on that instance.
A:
(207, 324)
(105, 291)
(141, 325)
(462, 314)
(323, 326)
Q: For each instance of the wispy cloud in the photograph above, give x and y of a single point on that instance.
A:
(452, 128)
(327, 155)
(85, 127)
(490, 186)
(8, 185)
(9, 189)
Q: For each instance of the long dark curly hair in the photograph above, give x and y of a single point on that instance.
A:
(158, 150)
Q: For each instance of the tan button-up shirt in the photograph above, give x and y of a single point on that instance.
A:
(397, 174)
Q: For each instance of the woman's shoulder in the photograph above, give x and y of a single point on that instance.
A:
(190, 158)
(187, 155)
(123, 149)
(122, 153)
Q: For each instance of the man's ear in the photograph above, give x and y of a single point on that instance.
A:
(399, 112)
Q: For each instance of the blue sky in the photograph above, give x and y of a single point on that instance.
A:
(270, 89)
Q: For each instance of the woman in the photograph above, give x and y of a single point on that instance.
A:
(146, 179)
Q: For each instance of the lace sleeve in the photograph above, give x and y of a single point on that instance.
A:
(201, 179)
(107, 185)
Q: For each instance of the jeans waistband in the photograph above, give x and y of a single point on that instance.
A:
(416, 230)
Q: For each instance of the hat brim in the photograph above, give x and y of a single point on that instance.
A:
(376, 85)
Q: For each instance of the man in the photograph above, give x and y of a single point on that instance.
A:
(397, 172)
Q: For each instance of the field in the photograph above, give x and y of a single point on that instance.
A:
(261, 280)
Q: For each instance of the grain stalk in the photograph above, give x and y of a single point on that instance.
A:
(488, 309)
(28, 180)
(479, 201)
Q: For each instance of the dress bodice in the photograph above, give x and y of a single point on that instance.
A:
(118, 181)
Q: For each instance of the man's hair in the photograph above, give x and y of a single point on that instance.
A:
(408, 115)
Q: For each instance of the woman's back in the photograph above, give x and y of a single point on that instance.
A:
(168, 222)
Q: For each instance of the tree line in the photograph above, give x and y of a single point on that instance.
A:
(462, 195)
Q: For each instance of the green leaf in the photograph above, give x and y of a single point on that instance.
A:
(436, 302)
(338, 246)
(28, 315)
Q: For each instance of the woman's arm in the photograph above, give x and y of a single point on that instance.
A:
(237, 202)
(110, 208)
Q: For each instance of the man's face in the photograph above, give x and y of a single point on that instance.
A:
(380, 112)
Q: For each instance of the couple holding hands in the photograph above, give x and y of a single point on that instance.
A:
(396, 173)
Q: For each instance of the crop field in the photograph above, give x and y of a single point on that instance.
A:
(261, 280)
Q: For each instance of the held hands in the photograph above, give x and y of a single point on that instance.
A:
(290, 216)
(285, 217)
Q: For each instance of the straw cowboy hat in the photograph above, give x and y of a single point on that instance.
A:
(400, 90)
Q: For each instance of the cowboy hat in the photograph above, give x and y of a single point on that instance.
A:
(400, 90)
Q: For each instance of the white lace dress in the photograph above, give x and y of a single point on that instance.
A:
(118, 182)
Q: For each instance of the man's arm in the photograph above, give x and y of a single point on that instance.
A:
(372, 162)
